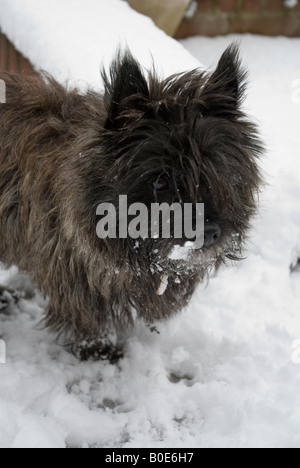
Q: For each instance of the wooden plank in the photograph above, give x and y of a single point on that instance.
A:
(3, 52)
(12, 59)
(167, 14)
(25, 67)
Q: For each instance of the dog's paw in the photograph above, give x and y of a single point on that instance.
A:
(98, 350)
(8, 298)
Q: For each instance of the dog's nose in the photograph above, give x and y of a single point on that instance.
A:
(212, 233)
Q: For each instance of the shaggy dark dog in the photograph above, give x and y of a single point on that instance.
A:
(62, 153)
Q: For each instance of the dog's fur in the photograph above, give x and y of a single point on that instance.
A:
(62, 153)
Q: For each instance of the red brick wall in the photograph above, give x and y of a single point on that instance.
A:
(11, 60)
(218, 17)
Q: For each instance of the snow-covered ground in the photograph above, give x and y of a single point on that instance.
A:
(222, 374)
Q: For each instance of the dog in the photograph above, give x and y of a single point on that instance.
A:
(182, 139)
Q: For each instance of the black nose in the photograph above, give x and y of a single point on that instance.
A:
(212, 233)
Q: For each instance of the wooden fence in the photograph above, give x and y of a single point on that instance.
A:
(11, 60)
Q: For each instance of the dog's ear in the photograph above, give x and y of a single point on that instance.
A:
(125, 90)
(225, 89)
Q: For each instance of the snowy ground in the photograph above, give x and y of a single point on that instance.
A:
(219, 375)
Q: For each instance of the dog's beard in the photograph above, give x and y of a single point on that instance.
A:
(167, 261)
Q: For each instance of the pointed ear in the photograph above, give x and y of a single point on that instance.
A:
(125, 89)
(225, 89)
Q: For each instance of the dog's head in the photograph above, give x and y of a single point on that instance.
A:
(184, 139)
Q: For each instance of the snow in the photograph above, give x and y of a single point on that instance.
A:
(71, 40)
(290, 3)
(192, 10)
(225, 372)
(181, 253)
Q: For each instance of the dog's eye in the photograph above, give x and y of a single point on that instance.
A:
(161, 184)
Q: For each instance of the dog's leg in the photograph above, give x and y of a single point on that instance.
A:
(83, 337)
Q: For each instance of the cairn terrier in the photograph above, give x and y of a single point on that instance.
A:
(183, 139)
